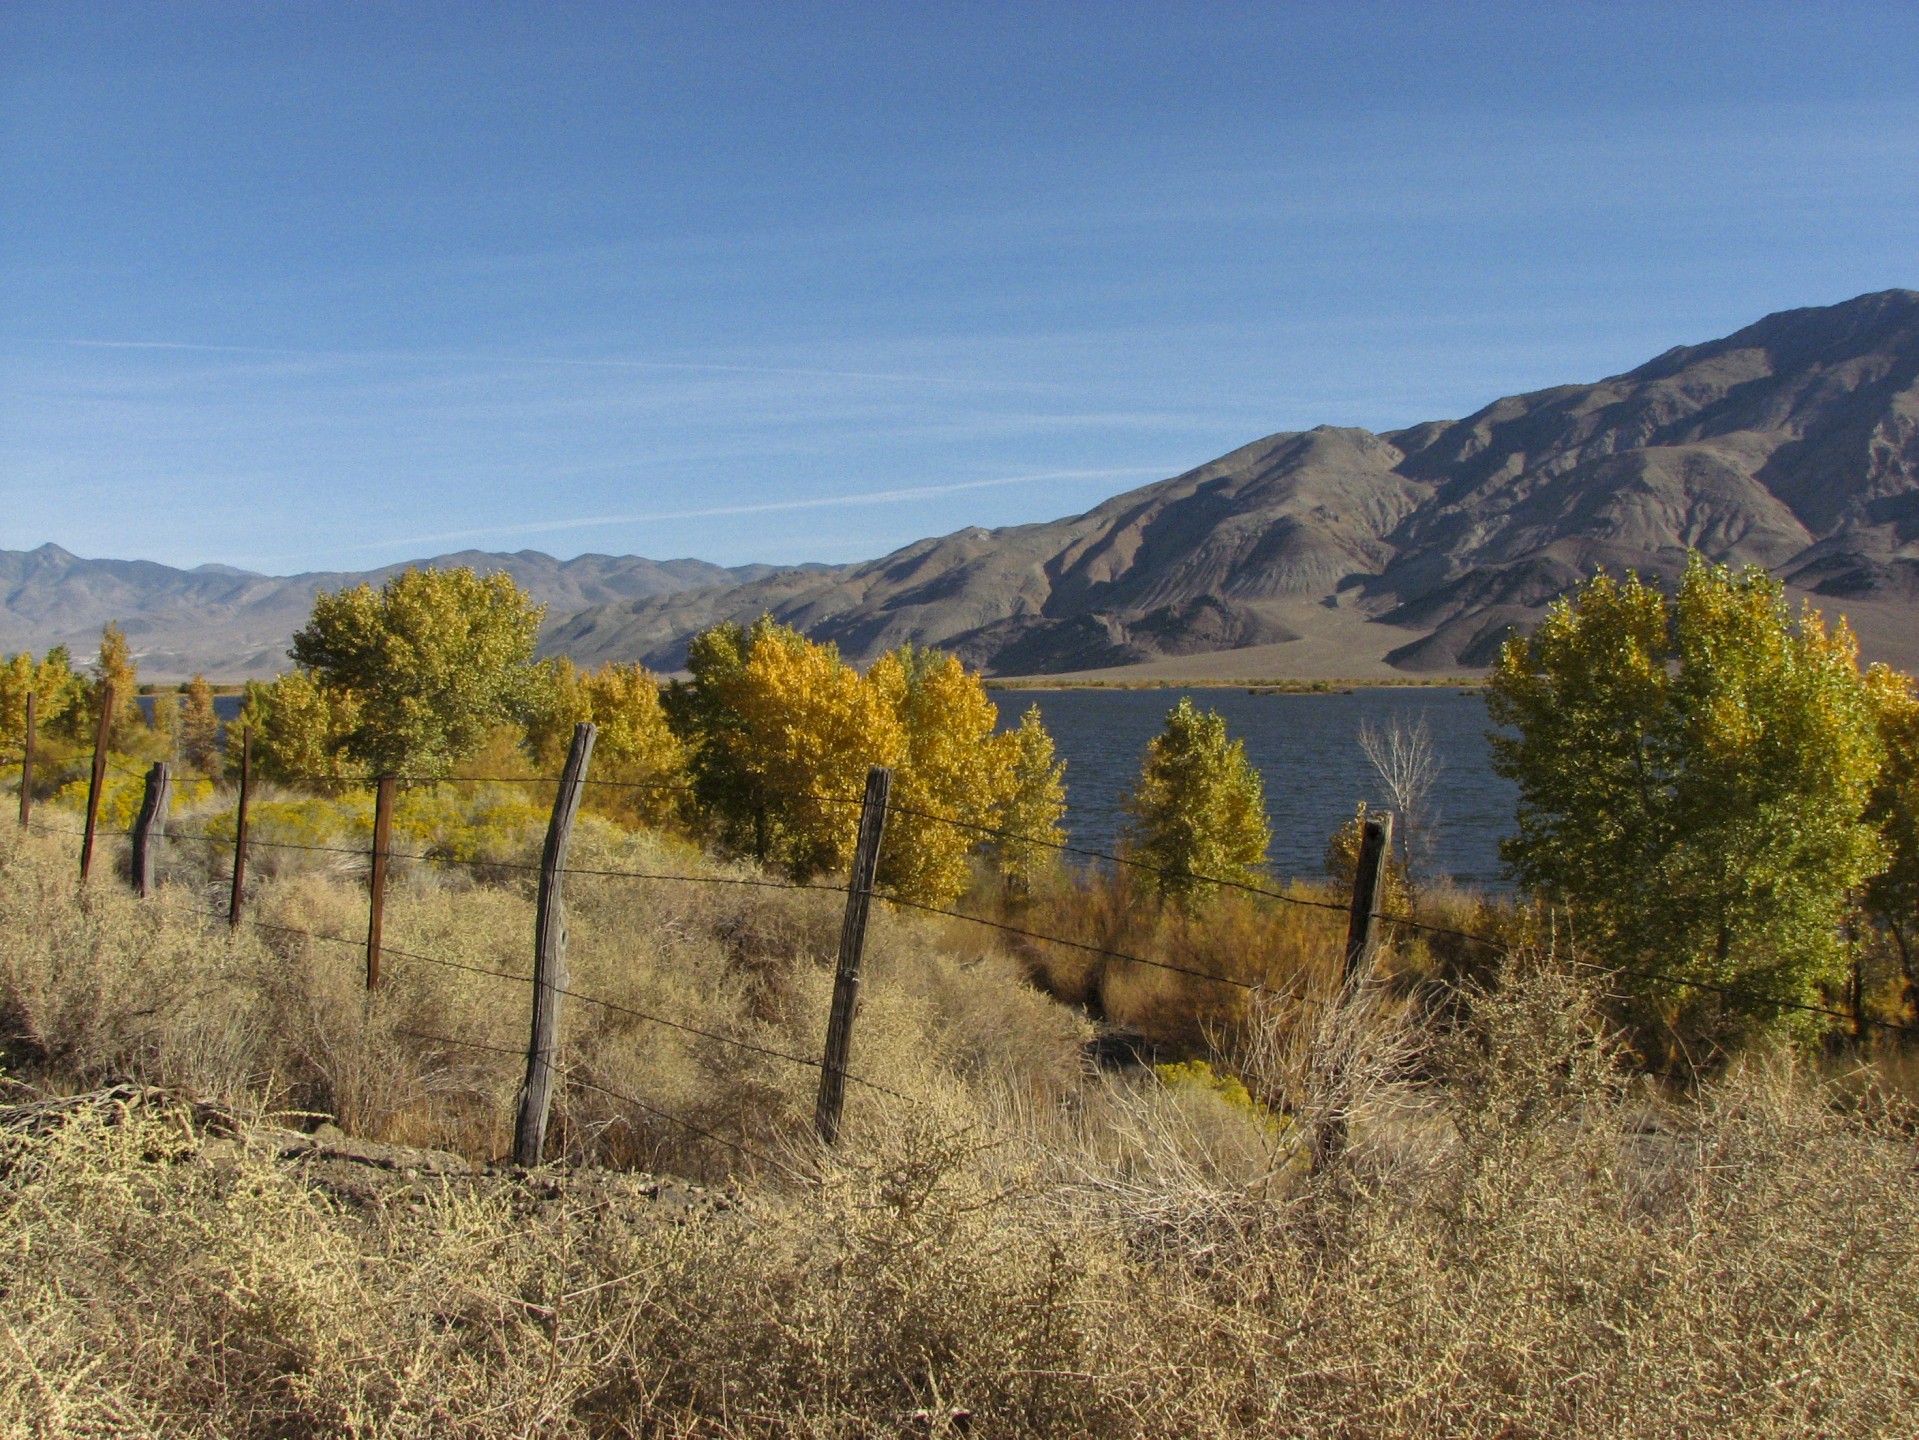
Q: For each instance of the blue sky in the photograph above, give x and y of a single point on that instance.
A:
(328, 285)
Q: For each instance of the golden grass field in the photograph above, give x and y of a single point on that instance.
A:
(1526, 1239)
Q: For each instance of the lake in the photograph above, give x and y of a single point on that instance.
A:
(1307, 749)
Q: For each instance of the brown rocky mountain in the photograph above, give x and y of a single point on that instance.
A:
(1792, 444)
(233, 623)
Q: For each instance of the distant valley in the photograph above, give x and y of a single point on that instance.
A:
(1793, 444)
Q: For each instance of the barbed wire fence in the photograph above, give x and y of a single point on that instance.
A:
(1366, 922)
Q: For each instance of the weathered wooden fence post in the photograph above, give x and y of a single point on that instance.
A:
(26, 767)
(549, 955)
(238, 897)
(1375, 845)
(102, 733)
(154, 806)
(846, 980)
(376, 879)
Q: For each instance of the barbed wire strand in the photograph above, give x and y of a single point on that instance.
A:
(1071, 944)
(580, 995)
(574, 1078)
(1728, 992)
(1065, 847)
(425, 858)
(796, 885)
(978, 827)
(99, 831)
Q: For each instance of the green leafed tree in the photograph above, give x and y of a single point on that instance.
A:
(1693, 776)
(1035, 805)
(1892, 896)
(431, 662)
(1199, 811)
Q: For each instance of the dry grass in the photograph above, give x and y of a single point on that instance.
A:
(1289, 948)
(1521, 1243)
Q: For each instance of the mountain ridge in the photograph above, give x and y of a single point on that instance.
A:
(232, 623)
(1791, 443)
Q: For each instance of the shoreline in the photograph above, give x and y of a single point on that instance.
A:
(1254, 684)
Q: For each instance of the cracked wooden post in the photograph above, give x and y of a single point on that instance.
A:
(549, 955)
(238, 895)
(846, 980)
(376, 878)
(102, 732)
(1375, 845)
(154, 806)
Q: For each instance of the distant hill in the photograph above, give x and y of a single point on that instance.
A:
(1792, 444)
(233, 623)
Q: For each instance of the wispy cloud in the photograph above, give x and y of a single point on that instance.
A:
(708, 512)
(562, 361)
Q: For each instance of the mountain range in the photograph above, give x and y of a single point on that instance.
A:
(233, 623)
(1792, 444)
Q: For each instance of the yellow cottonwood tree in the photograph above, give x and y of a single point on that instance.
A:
(57, 691)
(113, 666)
(809, 726)
(299, 730)
(636, 752)
(200, 728)
(954, 769)
(1892, 896)
(780, 733)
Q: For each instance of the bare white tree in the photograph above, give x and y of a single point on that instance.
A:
(1403, 757)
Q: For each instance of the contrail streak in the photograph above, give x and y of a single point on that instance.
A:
(817, 502)
(439, 357)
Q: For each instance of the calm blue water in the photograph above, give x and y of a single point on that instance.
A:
(1307, 749)
(226, 708)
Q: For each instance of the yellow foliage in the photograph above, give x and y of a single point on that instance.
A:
(121, 793)
(1197, 1076)
(810, 728)
(641, 760)
(344, 820)
(1035, 804)
(469, 822)
(115, 667)
(1892, 896)
(780, 734)
(954, 767)
(299, 727)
